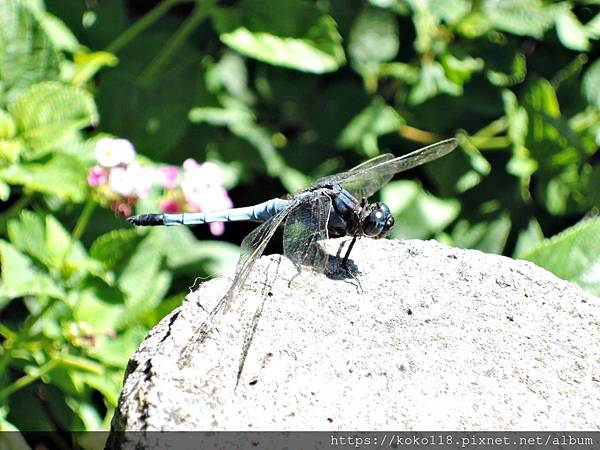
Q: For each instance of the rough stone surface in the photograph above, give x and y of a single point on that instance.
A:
(437, 338)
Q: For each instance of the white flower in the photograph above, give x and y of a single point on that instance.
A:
(112, 152)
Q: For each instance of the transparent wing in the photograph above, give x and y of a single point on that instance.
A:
(367, 178)
(252, 248)
(305, 225)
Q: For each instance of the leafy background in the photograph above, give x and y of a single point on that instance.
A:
(277, 93)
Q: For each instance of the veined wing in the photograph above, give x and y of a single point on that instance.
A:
(252, 248)
(305, 225)
(367, 178)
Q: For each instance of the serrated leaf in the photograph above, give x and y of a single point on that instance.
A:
(20, 277)
(47, 112)
(571, 32)
(58, 243)
(572, 255)
(111, 248)
(373, 38)
(59, 34)
(418, 213)
(288, 33)
(520, 17)
(450, 11)
(27, 234)
(8, 127)
(63, 176)
(26, 54)
(143, 264)
(590, 84)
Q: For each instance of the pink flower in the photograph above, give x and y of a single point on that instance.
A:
(133, 180)
(167, 176)
(112, 152)
(142, 179)
(97, 176)
(201, 186)
(217, 228)
(169, 206)
(120, 181)
(203, 190)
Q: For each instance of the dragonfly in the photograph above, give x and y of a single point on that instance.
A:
(334, 206)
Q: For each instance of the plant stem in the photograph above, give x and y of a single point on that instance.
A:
(15, 209)
(493, 128)
(201, 11)
(80, 226)
(7, 332)
(27, 325)
(133, 31)
(417, 135)
(26, 380)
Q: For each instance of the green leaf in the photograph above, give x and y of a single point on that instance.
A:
(520, 17)
(450, 11)
(87, 64)
(590, 84)
(8, 127)
(27, 55)
(58, 242)
(4, 191)
(288, 33)
(187, 254)
(20, 277)
(47, 112)
(99, 306)
(27, 234)
(551, 141)
(241, 121)
(489, 237)
(433, 81)
(59, 34)
(460, 67)
(592, 28)
(528, 239)
(572, 255)
(418, 214)
(516, 75)
(571, 32)
(115, 350)
(373, 39)
(375, 120)
(111, 248)
(62, 175)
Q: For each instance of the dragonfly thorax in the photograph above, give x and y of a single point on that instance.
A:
(378, 221)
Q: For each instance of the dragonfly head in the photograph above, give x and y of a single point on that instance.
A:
(378, 222)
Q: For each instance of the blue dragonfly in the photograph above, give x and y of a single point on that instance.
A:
(333, 206)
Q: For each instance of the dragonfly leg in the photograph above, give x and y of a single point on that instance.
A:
(345, 260)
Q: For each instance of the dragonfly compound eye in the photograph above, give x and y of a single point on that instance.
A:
(378, 220)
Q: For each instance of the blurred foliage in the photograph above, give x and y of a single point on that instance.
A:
(288, 90)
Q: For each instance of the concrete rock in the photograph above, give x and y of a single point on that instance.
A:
(426, 337)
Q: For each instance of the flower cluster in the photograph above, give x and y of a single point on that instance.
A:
(120, 181)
